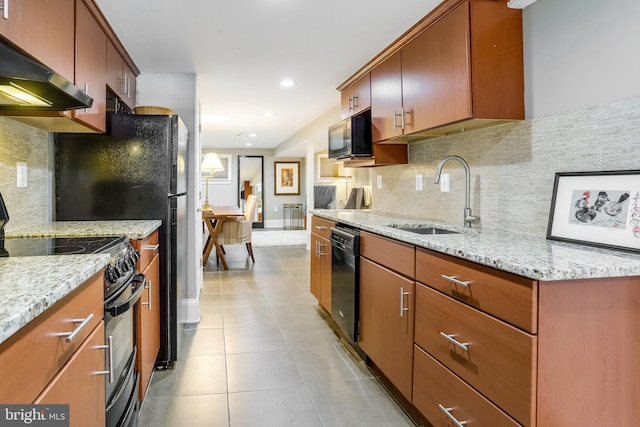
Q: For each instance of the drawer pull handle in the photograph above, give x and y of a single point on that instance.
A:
(69, 336)
(148, 288)
(108, 347)
(321, 227)
(451, 339)
(402, 307)
(449, 415)
(151, 247)
(456, 281)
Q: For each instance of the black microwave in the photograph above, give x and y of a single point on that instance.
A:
(351, 137)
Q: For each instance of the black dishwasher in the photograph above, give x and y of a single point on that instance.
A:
(345, 277)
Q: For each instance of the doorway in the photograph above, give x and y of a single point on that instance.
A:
(250, 181)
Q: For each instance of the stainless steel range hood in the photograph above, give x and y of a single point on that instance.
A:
(28, 86)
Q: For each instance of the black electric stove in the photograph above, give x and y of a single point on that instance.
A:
(60, 245)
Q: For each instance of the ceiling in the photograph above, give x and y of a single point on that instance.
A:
(242, 49)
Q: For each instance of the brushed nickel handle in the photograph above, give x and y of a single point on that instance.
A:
(108, 347)
(320, 246)
(151, 247)
(451, 339)
(447, 411)
(148, 288)
(402, 118)
(402, 307)
(456, 281)
(5, 9)
(395, 121)
(70, 336)
(351, 108)
(321, 227)
(355, 102)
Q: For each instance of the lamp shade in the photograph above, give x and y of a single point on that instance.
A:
(211, 162)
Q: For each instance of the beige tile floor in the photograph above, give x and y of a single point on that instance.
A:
(263, 356)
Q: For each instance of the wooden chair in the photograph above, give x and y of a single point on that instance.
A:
(237, 231)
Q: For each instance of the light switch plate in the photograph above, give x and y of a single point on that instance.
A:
(275, 209)
(419, 182)
(444, 183)
(22, 175)
(379, 181)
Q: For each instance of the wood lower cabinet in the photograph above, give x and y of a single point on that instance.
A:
(43, 29)
(546, 353)
(148, 320)
(321, 261)
(38, 365)
(387, 300)
(91, 67)
(442, 397)
(80, 383)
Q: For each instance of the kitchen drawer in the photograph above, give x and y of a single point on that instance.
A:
(500, 361)
(509, 297)
(148, 248)
(321, 227)
(399, 257)
(435, 385)
(33, 356)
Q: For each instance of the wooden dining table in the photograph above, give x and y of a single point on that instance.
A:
(214, 219)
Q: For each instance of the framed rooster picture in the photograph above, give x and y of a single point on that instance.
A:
(597, 208)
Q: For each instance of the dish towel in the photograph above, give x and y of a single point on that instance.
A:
(367, 196)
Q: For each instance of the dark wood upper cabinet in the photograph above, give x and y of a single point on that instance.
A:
(43, 29)
(91, 67)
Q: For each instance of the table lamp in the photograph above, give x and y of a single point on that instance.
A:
(211, 163)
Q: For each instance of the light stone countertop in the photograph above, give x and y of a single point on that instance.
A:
(30, 285)
(522, 254)
(134, 229)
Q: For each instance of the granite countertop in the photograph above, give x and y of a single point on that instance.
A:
(522, 254)
(134, 229)
(30, 285)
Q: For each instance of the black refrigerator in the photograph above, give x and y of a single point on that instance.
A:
(138, 170)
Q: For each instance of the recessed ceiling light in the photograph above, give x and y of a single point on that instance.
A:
(215, 118)
(269, 114)
(253, 135)
(287, 83)
(248, 144)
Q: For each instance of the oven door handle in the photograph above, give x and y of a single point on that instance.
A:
(118, 309)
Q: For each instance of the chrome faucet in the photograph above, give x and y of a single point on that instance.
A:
(468, 216)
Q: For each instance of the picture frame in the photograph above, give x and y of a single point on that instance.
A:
(287, 178)
(220, 177)
(596, 208)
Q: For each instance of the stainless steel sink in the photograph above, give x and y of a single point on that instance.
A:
(422, 230)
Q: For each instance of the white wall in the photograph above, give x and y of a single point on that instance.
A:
(580, 53)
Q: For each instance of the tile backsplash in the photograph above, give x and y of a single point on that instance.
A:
(23, 143)
(512, 166)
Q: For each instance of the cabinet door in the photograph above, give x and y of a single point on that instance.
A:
(436, 73)
(386, 330)
(149, 325)
(44, 29)
(346, 102)
(386, 98)
(115, 72)
(129, 86)
(325, 287)
(362, 93)
(80, 385)
(91, 66)
(316, 267)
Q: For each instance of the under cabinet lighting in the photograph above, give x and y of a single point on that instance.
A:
(23, 97)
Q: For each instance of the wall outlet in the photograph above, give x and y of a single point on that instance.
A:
(379, 181)
(22, 175)
(419, 182)
(275, 209)
(444, 183)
